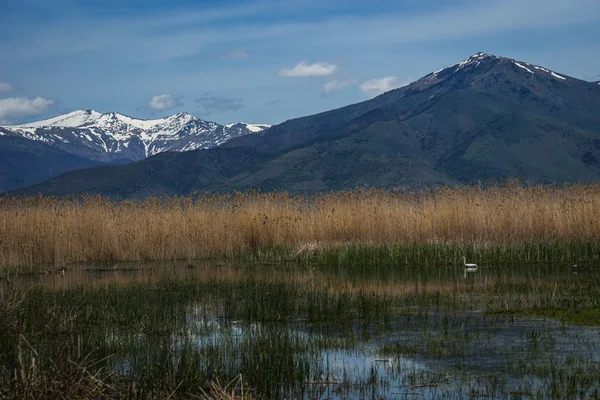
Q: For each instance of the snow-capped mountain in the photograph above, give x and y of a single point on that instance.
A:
(478, 59)
(113, 136)
(483, 118)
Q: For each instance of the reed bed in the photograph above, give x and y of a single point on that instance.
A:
(508, 222)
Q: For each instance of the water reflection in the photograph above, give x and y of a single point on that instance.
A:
(393, 281)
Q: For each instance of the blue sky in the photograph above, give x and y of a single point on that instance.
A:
(264, 61)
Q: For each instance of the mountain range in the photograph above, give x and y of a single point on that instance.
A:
(486, 117)
(38, 151)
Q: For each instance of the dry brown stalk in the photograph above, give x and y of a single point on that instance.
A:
(35, 231)
(234, 390)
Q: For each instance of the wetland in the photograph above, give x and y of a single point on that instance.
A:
(253, 330)
(353, 295)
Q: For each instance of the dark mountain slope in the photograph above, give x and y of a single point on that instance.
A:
(24, 162)
(576, 101)
(166, 173)
(485, 117)
(360, 160)
(490, 119)
(110, 138)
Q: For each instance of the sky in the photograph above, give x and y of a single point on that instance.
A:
(264, 61)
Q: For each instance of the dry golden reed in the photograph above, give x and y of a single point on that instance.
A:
(35, 231)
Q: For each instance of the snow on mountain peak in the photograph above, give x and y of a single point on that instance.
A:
(476, 59)
(255, 128)
(72, 120)
(114, 134)
(530, 68)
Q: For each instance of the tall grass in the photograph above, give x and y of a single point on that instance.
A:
(504, 221)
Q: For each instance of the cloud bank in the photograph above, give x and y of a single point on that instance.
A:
(305, 70)
(15, 108)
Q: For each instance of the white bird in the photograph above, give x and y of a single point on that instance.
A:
(468, 266)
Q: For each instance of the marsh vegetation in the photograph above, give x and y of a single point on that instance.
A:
(348, 295)
(497, 224)
(301, 331)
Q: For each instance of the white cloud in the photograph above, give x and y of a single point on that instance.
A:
(14, 108)
(163, 102)
(306, 70)
(6, 87)
(335, 85)
(375, 87)
(238, 54)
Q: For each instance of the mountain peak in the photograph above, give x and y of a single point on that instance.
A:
(72, 120)
(254, 128)
(88, 112)
(183, 114)
(481, 54)
(473, 60)
(487, 61)
(112, 135)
